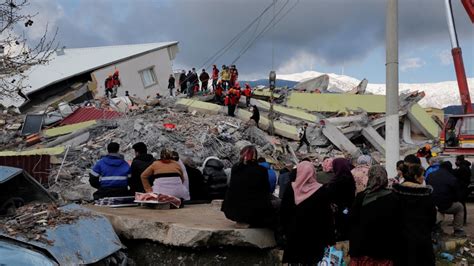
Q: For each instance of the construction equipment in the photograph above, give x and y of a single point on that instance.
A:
(457, 136)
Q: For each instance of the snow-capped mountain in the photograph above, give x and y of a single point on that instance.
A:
(438, 95)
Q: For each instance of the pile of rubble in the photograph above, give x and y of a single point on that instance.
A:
(32, 221)
(10, 124)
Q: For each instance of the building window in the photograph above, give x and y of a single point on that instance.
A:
(148, 77)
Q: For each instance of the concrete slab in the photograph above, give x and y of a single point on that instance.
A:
(200, 225)
(340, 140)
(199, 106)
(58, 131)
(374, 138)
(46, 151)
(423, 121)
(332, 102)
(291, 112)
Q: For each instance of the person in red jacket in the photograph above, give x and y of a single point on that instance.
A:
(233, 74)
(116, 83)
(215, 77)
(232, 102)
(109, 85)
(247, 94)
(218, 93)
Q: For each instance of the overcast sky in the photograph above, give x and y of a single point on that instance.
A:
(321, 35)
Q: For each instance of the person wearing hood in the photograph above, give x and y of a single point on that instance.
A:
(215, 178)
(361, 171)
(110, 174)
(248, 200)
(255, 115)
(447, 195)
(197, 187)
(166, 176)
(418, 217)
(375, 209)
(306, 218)
(141, 162)
(272, 178)
(342, 190)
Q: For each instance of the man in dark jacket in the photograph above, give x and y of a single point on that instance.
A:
(197, 187)
(182, 82)
(303, 138)
(189, 82)
(255, 115)
(171, 85)
(463, 175)
(204, 78)
(446, 195)
(141, 162)
(215, 178)
(110, 174)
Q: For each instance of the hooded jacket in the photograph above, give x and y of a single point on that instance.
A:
(446, 189)
(272, 178)
(417, 218)
(215, 178)
(112, 171)
(139, 164)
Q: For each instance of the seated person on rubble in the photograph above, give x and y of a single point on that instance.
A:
(248, 200)
(197, 188)
(166, 176)
(141, 162)
(215, 178)
(110, 174)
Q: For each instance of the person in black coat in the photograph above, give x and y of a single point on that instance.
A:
(248, 200)
(447, 195)
(141, 162)
(375, 222)
(171, 84)
(197, 187)
(342, 191)
(306, 218)
(204, 78)
(417, 219)
(255, 115)
(183, 82)
(463, 175)
(215, 178)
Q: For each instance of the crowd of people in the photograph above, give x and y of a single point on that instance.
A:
(311, 205)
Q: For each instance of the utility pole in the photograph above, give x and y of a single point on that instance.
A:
(392, 128)
(271, 113)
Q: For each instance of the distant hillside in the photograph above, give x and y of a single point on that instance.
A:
(454, 110)
(264, 82)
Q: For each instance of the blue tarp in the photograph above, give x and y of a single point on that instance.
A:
(86, 241)
(11, 254)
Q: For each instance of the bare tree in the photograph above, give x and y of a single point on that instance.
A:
(17, 52)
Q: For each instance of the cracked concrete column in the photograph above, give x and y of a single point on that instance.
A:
(392, 135)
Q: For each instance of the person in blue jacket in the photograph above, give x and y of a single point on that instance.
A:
(110, 174)
(272, 178)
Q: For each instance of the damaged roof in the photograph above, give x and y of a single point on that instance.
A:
(77, 61)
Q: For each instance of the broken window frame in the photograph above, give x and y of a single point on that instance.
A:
(150, 70)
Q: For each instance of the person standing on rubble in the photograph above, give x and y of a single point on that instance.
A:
(171, 84)
(204, 78)
(219, 93)
(116, 83)
(189, 84)
(303, 138)
(109, 85)
(166, 176)
(231, 101)
(255, 115)
(110, 174)
(141, 162)
(248, 94)
(215, 77)
(248, 200)
(183, 82)
(225, 77)
(306, 218)
(195, 80)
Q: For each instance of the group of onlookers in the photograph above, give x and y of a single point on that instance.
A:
(387, 220)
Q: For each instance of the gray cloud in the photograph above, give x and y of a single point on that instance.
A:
(333, 31)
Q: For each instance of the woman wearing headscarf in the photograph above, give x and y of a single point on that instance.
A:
(306, 218)
(342, 193)
(248, 199)
(375, 222)
(418, 217)
(361, 171)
